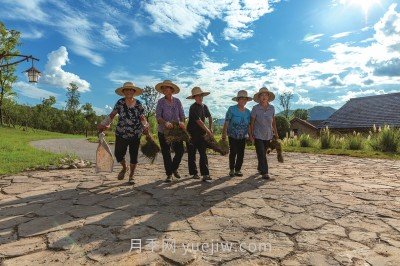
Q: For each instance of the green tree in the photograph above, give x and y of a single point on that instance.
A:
(283, 126)
(9, 40)
(300, 113)
(150, 98)
(44, 114)
(72, 109)
(90, 117)
(284, 100)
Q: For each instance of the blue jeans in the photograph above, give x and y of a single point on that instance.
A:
(261, 150)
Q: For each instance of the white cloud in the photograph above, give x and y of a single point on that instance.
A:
(100, 111)
(112, 35)
(33, 34)
(21, 9)
(305, 101)
(367, 28)
(234, 47)
(54, 74)
(187, 17)
(208, 39)
(32, 91)
(360, 93)
(341, 35)
(312, 38)
(388, 29)
(271, 60)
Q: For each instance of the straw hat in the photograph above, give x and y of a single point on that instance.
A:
(129, 85)
(169, 84)
(197, 91)
(271, 95)
(242, 94)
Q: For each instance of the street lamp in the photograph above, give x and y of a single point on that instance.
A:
(33, 73)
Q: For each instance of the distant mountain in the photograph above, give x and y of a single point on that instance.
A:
(320, 112)
(317, 112)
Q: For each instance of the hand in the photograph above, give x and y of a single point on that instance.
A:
(182, 125)
(276, 137)
(209, 132)
(168, 125)
(146, 131)
(101, 127)
(251, 139)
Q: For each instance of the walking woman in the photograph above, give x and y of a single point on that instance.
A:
(197, 129)
(236, 126)
(169, 109)
(131, 125)
(263, 127)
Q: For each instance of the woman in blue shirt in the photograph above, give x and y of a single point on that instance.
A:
(236, 126)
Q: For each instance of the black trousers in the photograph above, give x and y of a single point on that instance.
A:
(193, 146)
(236, 153)
(121, 146)
(170, 165)
(261, 146)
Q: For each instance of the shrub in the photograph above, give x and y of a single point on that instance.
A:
(355, 142)
(291, 142)
(305, 141)
(386, 140)
(325, 139)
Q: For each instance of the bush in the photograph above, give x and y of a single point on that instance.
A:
(283, 126)
(291, 142)
(355, 142)
(325, 139)
(305, 141)
(386, 140)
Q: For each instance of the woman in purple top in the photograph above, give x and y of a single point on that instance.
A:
(169, 109)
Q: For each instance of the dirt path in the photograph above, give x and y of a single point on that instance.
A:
(318, 210)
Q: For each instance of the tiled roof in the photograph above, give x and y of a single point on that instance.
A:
(316, 123)
(364, 112)
(304, 122)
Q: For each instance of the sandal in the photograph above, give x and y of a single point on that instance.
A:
(130, 181)
(121, 174)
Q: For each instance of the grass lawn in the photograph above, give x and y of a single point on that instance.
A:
(352, 153)
(16, 154)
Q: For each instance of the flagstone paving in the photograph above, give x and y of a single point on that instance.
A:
(317, 210)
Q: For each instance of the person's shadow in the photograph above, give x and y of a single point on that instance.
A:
(102, 220)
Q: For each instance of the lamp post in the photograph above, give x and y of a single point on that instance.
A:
(33, 73)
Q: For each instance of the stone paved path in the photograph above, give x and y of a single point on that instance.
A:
(318, 210)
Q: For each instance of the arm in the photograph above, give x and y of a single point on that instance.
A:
(224, 130)
(203, 126)
(251, 129)
(181, 116)
(159, 118)
(146, 126)
(210, 123)
(275, 128)
(107, 121)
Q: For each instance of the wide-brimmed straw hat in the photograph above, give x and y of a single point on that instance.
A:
(242, 94)
(271, 95)
(167, 83)
(197, 91)
(129, 85)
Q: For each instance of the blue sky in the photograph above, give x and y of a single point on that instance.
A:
(325, 52)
